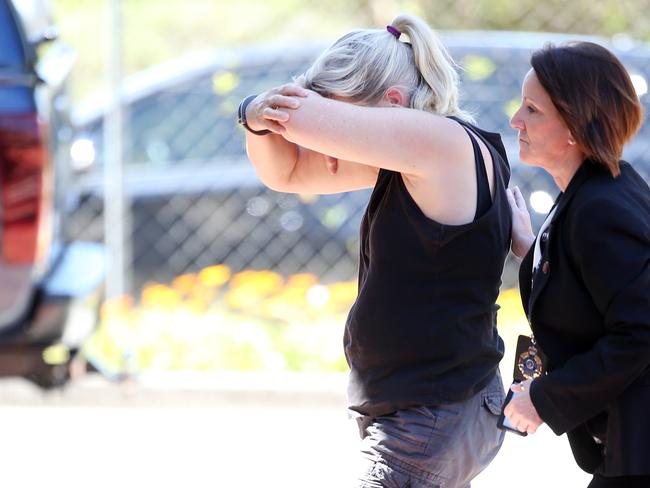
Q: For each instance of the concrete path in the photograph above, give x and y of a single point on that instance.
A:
(215, 431)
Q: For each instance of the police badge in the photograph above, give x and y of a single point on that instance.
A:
(530, 362)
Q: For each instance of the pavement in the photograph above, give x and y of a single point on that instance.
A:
(216, 430)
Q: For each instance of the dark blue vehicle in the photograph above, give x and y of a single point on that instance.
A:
(49, 288)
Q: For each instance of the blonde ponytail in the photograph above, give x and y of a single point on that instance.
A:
(437, 90)
(363, 64)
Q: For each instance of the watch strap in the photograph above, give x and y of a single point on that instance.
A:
(242, 116)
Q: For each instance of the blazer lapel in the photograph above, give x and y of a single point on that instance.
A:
(533, 284)
(583, 173)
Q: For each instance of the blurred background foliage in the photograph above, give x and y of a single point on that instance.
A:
(248, 321)
(160, 30)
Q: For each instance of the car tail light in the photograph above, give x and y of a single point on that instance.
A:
(25, 190)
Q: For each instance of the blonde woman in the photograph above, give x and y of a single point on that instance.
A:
(421, 339)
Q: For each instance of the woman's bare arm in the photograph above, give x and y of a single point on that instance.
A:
(412, 142)
(284, 165)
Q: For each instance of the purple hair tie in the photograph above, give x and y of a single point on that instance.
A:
(393, 31)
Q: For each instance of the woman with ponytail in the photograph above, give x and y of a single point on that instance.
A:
(421, 339)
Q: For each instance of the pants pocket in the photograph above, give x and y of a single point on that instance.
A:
(406, 430)
(493, 402)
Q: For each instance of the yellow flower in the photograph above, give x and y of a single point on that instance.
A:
(511, 308)
(184, 283)
(118, 307)
(258, 283)
(343, 294)
(214, 276)
(157, 295)
(302, 280)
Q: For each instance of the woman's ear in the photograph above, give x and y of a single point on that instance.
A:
(396, 96)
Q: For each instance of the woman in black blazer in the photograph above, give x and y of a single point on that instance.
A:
(585, 279)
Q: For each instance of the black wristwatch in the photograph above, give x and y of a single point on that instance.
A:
(242, 116)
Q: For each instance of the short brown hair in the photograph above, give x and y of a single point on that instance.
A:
(595, 96)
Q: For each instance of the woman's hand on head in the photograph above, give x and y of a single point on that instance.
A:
(276, 117)
(520, 409)
(522, 229)
(271, 109)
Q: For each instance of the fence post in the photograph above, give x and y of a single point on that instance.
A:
(116, 210)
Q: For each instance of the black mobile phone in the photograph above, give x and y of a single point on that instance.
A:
(503, 422)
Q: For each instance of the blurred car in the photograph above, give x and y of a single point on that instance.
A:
(195, 199)
(46, 284)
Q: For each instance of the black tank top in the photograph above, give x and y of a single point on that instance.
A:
(422, 330)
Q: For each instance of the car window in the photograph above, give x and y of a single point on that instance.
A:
(194, 120)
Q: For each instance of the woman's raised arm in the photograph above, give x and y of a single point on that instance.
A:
(283, 165)
(390, 136)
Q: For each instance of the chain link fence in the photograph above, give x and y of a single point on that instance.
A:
(194, 198)
(195, 205)
(223, 273)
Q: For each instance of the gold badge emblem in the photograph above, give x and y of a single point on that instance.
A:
(529, 363)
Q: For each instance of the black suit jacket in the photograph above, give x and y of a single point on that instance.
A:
(588, 304)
